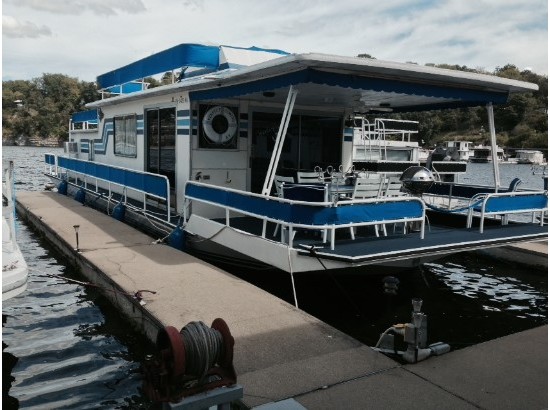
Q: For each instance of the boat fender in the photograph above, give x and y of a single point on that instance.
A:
(219, 124)
(119, 212)
(80, 196)
(176, 239)
(62, 187)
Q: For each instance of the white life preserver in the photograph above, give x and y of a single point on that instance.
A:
(219, 124)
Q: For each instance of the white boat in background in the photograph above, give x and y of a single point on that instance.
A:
(484, 154)
(533, 157)
(288, 161)
(14, 266)
(463, 149)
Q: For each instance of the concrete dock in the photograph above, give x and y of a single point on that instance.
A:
(533, 254)
(282, 354)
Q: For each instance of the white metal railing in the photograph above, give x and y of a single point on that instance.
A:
(267, 208)
(83, 179)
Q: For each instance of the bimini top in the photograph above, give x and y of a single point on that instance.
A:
(333, 82)
(206, 58)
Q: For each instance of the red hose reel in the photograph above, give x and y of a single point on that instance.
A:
(173, 372)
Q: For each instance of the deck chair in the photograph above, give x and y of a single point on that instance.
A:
(514, 185)
(393, 186)
(309, 177)
(278, 181)
(369, 187)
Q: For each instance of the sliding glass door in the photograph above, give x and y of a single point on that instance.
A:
(160, 131)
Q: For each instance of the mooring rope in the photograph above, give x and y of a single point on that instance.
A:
(136, 295)
(203, 346)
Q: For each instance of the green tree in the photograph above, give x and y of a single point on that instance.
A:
(41, 108)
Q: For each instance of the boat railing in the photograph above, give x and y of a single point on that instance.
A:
(115, 179)
(504, 204)
(294, 214)
(373, 137)
(452, 193)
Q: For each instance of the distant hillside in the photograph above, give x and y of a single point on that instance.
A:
(40, 110)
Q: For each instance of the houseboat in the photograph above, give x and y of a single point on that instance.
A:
(533, 157)
(289, 161)
(461, 150)
(484, 154)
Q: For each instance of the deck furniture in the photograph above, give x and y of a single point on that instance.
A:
(368, 187)
(309, 177)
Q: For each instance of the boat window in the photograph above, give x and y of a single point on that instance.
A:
(125, 131)
(398, 155)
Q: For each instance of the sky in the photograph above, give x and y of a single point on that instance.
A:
(86, 38)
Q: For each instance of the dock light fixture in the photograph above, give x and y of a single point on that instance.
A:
(76, 228)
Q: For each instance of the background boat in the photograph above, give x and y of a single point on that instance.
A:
(14, 267)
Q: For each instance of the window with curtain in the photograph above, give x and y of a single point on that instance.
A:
(125, 135)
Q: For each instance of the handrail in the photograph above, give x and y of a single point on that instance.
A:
(308, 215)
(146, 183)
(504, 203)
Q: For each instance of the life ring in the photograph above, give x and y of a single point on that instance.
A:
(219, 124)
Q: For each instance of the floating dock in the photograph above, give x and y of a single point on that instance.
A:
(284, 358)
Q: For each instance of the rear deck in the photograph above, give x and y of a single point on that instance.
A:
(439, 239)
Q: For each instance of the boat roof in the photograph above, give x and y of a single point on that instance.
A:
(338, 82)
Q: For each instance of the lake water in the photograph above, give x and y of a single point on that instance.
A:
(65, 347)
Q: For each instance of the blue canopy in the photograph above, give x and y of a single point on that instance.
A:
(183, 55)
(196, 55)
(85, 116)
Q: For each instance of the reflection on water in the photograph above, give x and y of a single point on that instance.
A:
(71, 350)
(500, 293)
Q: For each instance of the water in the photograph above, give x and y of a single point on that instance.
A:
(65, 347)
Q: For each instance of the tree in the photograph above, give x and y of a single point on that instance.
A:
(46, 104)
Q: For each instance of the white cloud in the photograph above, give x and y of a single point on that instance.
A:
(76, 7)
(14, 28)
(101, 35)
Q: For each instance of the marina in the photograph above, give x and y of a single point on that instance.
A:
(274, 350)
(288, 235)
(483, 298)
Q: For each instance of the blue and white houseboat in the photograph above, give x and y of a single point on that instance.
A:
(286, 160)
